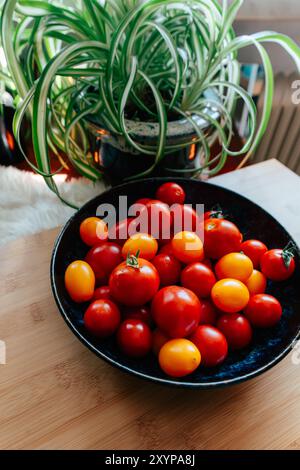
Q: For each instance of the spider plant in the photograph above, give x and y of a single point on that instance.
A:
(150, 60)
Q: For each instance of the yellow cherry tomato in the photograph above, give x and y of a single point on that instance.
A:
(179, 357)
(230, 295)
(142, 242)
(256, 283)
(234, 265)
(93, 230)
(187, 247)
(80, 281)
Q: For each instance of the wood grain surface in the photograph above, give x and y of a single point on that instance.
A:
(55, 394)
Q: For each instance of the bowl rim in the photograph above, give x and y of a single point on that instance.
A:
(163, 381)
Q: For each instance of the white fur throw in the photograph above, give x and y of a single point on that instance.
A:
(28, 206)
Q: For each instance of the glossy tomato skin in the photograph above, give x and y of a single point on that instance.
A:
(102, 292)
(263, 311)
(134, 338)
(168, 268)
(158, 340)
(257, 283)
(102, 318)
(237, 330)
(80, 281)
(170, 193)
(209, 313)
(176, 311)
(119, 232)
(254, 249)
(179, 357)
(103, 259)
(133, 286)
(158, 219)
(220, 238)
(234, 265)
(230, 295)
(187, 247)
(93, 231)
(273, 267)
(185, 218)
(199, 279)
(212, 345)
(138, 313)
(143, 243)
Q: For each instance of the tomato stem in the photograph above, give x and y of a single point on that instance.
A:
(132, 260)
(288, 253)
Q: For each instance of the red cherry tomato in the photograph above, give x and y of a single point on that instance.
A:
(155, 219)
(166, 249)
(254, 249)
(143, 200)
(185, 218)
(80, 281)
(198, 278)
(170, 193)
(168, 268)
(263, 311)
(119, 232)
(138, 313)
(134, 284)
(93, 230)
(102, 318)
(220, 238)
(176, 311)
(103, 259)
(207, 263)
(102, 292)
(158, 340)
(277, 265)
(134, 338)
(212, 345)
(209, 313)
(236, 329)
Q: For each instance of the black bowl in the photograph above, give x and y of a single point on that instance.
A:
(269, 346)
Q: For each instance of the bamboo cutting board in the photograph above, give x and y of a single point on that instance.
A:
(55, 394)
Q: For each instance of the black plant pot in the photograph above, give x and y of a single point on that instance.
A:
(9, 149)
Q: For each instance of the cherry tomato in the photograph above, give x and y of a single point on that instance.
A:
(134, 283)
(143, 243)
(207, 263)
(134, 338)
(257, 283)
(158, 340)
(185, 218)
(254, 249)
(220, 238)
(208, 313)
(166, 249)
(102, 318)
(179, 357)
(263, 311)
(168, 268)
(234, 265)
(213, 214)
(198, 278)
(212, 345)
(155, 218)
(236, 329)
(93, 230)
(171, 193)
(118, 233)
(102, 292)
(176, 311)
(277, 265)
(187, 247)
(230, 295)
(143, 200)
(103, 259)
(138, 313)
(80, 281)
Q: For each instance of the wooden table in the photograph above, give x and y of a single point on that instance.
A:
(54, 393)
